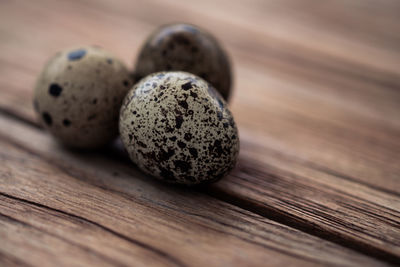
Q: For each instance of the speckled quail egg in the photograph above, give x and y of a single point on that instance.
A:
(78, 96)
(177, 127)
(184, 47)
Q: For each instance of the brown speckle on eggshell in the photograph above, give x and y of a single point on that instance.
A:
(176, 127)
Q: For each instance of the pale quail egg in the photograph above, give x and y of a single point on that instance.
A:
(176, 127)
(184, 47)
(78, 96)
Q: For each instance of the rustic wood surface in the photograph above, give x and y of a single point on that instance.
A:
(317, 103)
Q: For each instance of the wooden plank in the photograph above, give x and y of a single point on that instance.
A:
(28, 244)
(324, 153)
(62, 202)
(348, 213)
(296, 107)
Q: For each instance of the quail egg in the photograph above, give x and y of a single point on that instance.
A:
(177, 127)
(184, 47)
(78, 96)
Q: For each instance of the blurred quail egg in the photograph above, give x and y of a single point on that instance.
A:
(187, 48)
(176, 127)
(78, 96)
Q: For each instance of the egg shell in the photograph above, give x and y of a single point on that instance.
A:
(176, 127)
(78, 96)
(185, 47)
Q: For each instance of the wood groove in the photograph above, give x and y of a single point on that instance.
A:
(324, 169)
(88, 250)
(246, 239)
(10, 260)
(173, 260)
(307, 226)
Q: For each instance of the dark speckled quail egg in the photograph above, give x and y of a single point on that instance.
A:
(176, 127)
(187, 48)
(78, 96)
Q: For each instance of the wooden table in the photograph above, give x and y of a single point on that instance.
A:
(317, 102)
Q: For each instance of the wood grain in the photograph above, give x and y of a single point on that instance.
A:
(84, 202)
(316, 99)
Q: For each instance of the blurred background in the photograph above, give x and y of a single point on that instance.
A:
(315, 80)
